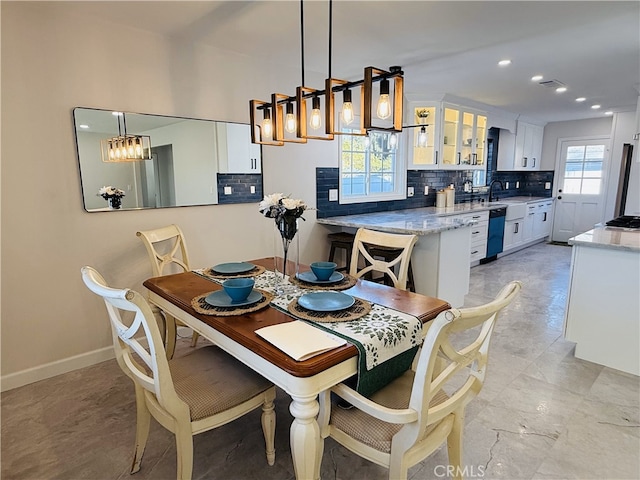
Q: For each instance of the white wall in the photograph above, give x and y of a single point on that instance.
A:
(53, 61)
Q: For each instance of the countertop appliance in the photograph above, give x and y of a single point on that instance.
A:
(496, 233)
(624, 221)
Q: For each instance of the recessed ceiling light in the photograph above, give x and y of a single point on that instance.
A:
(580, 99)
(561, 89)
(595, 107)
(608, 112)
(536, 78)
(84, 126)
(504, 63)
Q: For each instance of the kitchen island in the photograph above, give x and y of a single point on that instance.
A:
(440, 258)
(603, 304)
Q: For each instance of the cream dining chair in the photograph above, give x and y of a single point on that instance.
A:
(407, 420)
(167, 251)
(397, 268)
(188, 395)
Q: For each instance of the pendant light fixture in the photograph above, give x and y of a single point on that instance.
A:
(422, 137)
(125, 147)
(306, 106)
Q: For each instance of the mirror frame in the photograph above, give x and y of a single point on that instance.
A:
(220, 169)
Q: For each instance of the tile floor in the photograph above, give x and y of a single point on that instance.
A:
(542, 414)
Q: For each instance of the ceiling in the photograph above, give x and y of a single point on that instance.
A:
(593, 47)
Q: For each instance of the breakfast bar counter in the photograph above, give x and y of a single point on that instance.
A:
(603, 306)
(440, 258)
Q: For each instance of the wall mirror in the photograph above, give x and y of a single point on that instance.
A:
(192, 161)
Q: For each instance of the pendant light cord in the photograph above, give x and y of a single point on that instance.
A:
(330, 33)
(302, 40)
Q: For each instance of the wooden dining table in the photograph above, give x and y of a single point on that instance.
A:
(302, 380)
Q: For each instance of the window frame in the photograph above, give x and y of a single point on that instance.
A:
(399, 174)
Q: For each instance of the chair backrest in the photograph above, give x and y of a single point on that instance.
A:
(153, 374)
(458, 370)
(163, 245)
(366, 239)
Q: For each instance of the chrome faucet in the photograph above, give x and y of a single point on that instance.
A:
(493, 182)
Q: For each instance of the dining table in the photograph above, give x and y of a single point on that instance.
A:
(302, 380)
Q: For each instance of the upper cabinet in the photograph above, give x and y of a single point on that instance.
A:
(236, 153)
(521, 151)
(456, 137)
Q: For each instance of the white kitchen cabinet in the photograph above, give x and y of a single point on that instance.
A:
(236, 153)
(520, 151)
(428, 115)
(514, 226)
(479, 232)
(464, 138)
(542, 219)
(529, 221)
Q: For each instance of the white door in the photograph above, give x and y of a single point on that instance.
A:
(580, 195)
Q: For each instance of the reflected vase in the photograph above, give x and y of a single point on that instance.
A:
(287, 254)
(114, 202)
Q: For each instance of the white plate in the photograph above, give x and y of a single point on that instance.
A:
(233, 267)
(326, 301)
(221, 299)
(310, 277)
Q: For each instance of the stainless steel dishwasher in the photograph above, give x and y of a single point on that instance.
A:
(495, 236)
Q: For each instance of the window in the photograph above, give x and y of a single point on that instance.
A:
(371, 174)
(583, 169)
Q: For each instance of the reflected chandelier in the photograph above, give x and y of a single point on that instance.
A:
(125, 147)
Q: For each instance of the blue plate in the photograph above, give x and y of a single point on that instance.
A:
(233, 267)
(326, 301)
(221, 299)
(310, 277)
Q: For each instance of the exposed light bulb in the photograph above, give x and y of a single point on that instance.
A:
(138, 148)
(267, 127)
(347, 107)
(422, 137)
(384, 105)
(393, 140)
(131, 151)
(290, 119)
(367, 141)
(123, 149)
(315, 122)
(112, 153)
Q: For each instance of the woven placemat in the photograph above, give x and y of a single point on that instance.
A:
(257, 270)
(201, 306)
(347, 282)
(359, 309)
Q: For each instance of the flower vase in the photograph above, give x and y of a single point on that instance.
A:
(114, 203)
(287, 254)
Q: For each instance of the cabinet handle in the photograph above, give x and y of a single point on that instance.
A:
(534, 162)
(516, 229)
(475, 233)
(436, 157)
(545, 216)
(524, 161)
(474, 252)
(477, 216)
(475, 158)
(458, 158)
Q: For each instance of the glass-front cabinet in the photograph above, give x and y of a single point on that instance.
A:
(464, 138)
(424, 135)
(456, 137)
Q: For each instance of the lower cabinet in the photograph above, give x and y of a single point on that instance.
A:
(527, 223)
(479, 233)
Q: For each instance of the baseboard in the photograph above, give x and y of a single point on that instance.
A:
(48, 370)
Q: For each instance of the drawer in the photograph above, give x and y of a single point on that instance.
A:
(478, 252)
(477, 216)
(479, 232)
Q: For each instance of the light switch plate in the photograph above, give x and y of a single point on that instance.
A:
(506, 185)
(547, 185)
(253, 189)
(517, 184)
(410, 192)
(227, 190)
(426, 189)
(333, 194)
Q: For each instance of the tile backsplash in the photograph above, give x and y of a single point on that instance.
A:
(240, 187)
(530, 183)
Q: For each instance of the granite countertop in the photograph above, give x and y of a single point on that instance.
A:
(418, 221)
(612, 238)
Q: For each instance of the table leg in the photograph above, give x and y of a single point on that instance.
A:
(306, 445)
